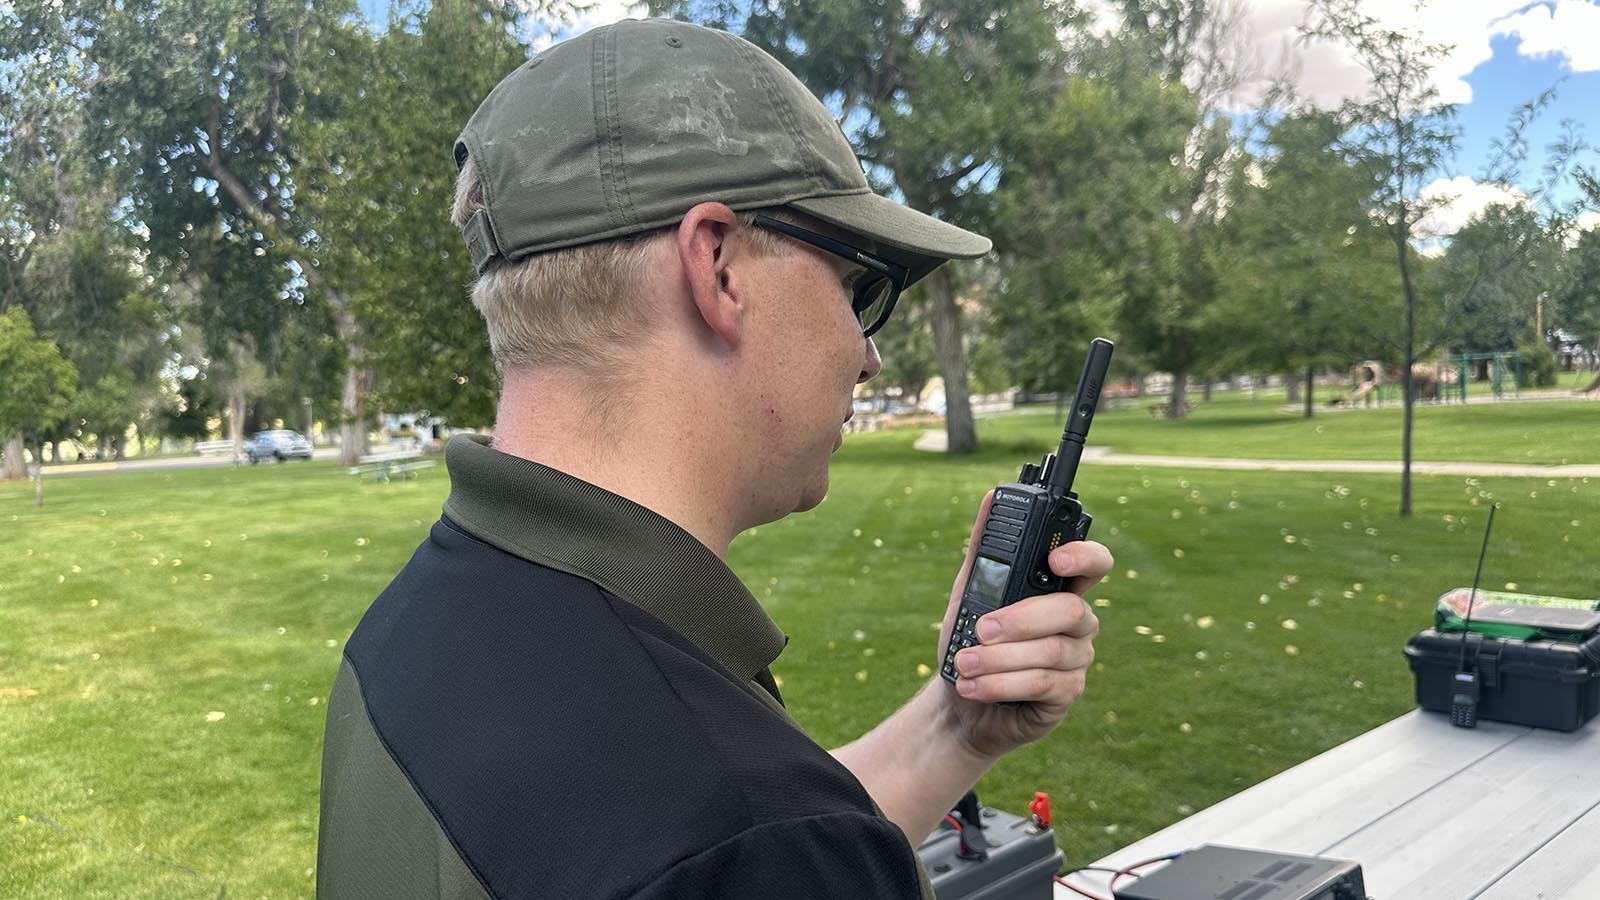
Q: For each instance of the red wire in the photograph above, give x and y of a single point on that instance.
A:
(1072, 887)
(1112, 885)
(954, 822)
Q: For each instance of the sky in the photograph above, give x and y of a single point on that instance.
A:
(1505, 53)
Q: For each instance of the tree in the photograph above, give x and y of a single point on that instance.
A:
(186, 416)
(906, 347)
(1499, 264)
(1308, 268)
(1171, 270)
(1074, 198)
(39, 384)
(379, 204)
(85, 292)
(1405, 134)
(39, 121)
(200, 106)
(1576, 306)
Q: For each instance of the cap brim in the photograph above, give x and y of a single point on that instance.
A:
(916, 240)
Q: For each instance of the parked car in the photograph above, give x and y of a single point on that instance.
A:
(279, 445)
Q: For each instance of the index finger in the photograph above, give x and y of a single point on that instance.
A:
(1041, 615)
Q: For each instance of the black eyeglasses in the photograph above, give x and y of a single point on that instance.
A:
(875, 292)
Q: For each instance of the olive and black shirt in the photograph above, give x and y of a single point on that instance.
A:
(565, 695)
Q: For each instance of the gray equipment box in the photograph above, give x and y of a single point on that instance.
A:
(1210, 872)
(1021, 865)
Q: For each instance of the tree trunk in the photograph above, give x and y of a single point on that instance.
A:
(358, 379)
(1405, 373)
(38, 484)
(947, 350)
(1178, 399)
(236, 410)
(1310, 385)
(353, 422)
(15, 467)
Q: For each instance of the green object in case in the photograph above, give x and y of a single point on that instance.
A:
(1517, 616)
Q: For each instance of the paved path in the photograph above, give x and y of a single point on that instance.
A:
(165, 462)
(934, 441)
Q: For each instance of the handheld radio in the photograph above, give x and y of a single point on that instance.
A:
(1029, 518)
(1464, 684)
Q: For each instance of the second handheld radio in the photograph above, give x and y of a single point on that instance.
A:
(1029, 518)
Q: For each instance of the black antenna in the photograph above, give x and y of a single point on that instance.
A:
(1473, 597)
(1063, 468)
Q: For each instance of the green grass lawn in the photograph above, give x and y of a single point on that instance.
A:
(1233, 424)
(167, 639)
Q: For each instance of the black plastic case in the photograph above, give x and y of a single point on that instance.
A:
(1543, 683)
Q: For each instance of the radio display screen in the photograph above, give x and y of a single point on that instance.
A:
(988, 581)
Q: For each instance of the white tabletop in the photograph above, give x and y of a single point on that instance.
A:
(1431, 812)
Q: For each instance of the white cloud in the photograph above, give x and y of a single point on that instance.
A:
(1329, 72)
(571, 22)
(1567, 28)
(1585, 221)
(1457, 200)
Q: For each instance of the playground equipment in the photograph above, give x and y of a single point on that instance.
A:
(1365, 380)
(1374, 383)
(1505, 371)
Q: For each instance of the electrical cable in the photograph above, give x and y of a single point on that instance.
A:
(1126, 872)
(1074, 871)
(1139, 865)
(1077, 890)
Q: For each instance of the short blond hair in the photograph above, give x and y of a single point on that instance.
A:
(578, 306)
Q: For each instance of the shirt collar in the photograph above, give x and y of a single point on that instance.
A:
(551, 518)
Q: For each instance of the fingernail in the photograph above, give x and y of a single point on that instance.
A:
(966, 687)
(988, 629)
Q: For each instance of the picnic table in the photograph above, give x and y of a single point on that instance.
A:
(385, 466)
(1162, 409)
(1430, 811)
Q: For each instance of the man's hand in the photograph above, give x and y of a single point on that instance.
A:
(1036, 651)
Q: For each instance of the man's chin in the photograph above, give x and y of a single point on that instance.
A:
(813, 494)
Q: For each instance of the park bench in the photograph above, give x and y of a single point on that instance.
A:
(386, 466)
(208, 448)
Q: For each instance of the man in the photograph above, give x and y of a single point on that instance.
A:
(566, 692)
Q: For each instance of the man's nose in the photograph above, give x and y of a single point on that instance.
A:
(874, 363)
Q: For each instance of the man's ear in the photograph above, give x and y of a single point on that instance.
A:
(707, 251)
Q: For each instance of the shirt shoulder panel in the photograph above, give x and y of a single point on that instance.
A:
(377, 838)
(844, 855)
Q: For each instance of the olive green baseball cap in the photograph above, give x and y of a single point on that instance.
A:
(625, 128)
